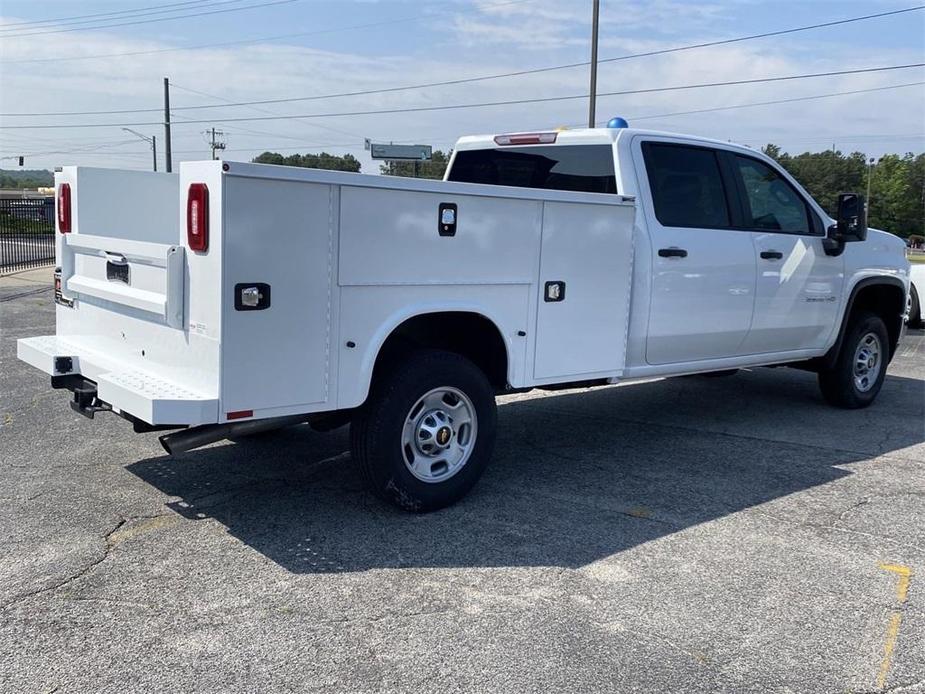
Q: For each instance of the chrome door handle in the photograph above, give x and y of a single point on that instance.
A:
(115, 258)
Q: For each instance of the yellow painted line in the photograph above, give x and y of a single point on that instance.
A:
(905, 576)
(896, 618)
(892, 633)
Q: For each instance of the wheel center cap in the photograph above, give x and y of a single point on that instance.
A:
(443, 436)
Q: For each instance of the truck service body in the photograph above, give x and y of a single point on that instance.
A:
(234, 297)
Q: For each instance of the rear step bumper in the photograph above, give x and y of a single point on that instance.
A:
(142, 395)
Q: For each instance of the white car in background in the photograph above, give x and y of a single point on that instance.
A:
(917, 287)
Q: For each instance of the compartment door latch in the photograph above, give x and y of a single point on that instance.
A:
(251, 296)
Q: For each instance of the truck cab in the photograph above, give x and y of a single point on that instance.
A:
(733, 261)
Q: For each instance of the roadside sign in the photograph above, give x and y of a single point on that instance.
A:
(401, 152)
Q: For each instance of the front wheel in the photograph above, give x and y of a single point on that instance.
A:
(426, 431)
(915, 308)
(859, 371)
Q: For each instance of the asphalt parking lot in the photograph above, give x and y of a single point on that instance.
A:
(693, 534)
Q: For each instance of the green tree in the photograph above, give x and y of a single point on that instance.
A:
(434, 168)
(27, 178)
(347, 162)
(897, 184)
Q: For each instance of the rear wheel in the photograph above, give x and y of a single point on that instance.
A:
(426, 431)
(859, 371)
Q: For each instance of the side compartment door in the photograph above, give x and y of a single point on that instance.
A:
(704, 269)
(586, 264)
(799, 286)
(278, 239)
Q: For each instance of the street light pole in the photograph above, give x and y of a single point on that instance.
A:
(150, 140)
(593, 100)
(168, 158)
(870, 165)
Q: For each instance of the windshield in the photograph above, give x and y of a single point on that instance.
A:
(585, 168)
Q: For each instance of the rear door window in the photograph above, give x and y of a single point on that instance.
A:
(584, 168)
(687, 187)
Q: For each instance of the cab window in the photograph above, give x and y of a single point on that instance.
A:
(771, 203)
(687, 187)
(584, 168)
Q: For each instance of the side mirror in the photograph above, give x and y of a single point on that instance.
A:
(851, 219)
(850, 224)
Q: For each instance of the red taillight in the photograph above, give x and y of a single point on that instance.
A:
(64, 208)
(526, 139)
(197, 217)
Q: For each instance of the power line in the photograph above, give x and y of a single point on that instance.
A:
(150, 21)
(80, 150)
(631, 118)
(450, 107)
(58, 20)
(517, 73)
(278, 37)
(137, 12)
(357, 146)
(260, 110)
(774, 102)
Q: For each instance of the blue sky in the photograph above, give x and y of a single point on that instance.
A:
(413, 42)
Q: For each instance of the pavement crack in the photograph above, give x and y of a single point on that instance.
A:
(698, 656)
(833, 527)
(117, 534)
(852, 508)
(83, 571)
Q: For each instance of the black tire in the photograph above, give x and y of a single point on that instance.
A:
(377, 427)
(838, 383)
(915, 308)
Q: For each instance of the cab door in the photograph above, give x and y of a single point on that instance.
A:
(799, 286)
(704, 268)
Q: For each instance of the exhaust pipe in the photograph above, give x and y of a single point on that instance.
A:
(188, 439)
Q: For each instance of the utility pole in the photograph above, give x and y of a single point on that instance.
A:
(150, 140)
(167, 154)
(593, 90)
(214, 143)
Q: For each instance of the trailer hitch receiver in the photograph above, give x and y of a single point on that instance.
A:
(85, 399)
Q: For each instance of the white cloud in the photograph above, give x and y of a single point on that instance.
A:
(271, 70)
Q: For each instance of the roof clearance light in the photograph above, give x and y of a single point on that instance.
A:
(617, 122)
(526, 139)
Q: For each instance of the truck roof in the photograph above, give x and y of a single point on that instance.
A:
(587, 136)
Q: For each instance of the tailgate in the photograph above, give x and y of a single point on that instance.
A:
(146, 277)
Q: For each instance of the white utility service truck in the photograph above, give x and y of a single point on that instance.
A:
(234, 298)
